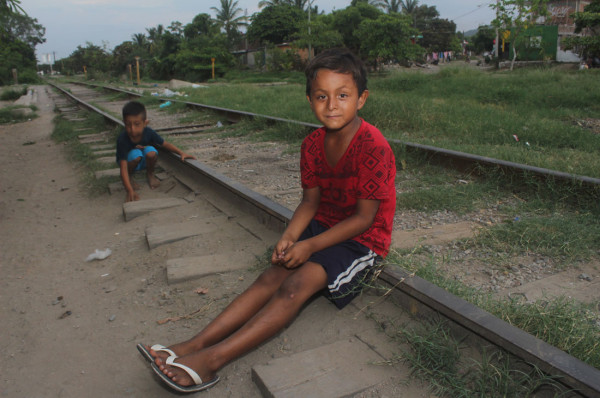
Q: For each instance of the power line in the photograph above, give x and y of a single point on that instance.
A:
(472, 11)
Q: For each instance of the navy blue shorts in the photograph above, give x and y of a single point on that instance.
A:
(347, 265)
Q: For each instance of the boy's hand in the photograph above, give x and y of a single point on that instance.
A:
(186, 156)
(295, 255)
(279, 251)
(132, 196)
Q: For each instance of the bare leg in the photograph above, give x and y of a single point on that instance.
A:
(130, 169)
(151, 158)
(275, 315)
(238, 312)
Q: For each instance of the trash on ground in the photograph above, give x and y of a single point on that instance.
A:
(516, 137)
(201, 290)
(99, 254)
(65, 314)
(165, 104)
(219, 124)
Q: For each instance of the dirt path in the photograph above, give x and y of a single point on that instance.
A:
(69, 327)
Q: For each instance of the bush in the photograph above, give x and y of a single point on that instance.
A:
(29, 76)
(13, 94)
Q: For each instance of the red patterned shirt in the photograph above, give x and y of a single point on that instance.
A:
(367, 170)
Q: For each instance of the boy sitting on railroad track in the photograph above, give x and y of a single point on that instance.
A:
(340, 229)
(136, 149)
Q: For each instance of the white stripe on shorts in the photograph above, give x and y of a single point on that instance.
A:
(357, 266)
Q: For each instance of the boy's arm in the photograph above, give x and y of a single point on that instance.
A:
(172, 148)
(354, 225)
(131, 194)
(304, 213)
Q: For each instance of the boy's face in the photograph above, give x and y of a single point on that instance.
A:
(134, 126)
(335, 101)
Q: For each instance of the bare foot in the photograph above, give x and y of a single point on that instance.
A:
(153, 181)
(197, 361)
(179, 349)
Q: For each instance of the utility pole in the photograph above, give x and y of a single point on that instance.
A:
(309, 46)
(137, 68)
(496, 52)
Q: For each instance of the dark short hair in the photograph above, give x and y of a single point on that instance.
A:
(338, 60)
(134, 108)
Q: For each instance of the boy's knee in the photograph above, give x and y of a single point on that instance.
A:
(290, 289)
(151, 155)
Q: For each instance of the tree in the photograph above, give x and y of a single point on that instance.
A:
(154, 38)
(387, 38)
(15, 26)
(409, 7)
(588, 21)
(345, 21)
(516, 16)
(11, 7)
(229, 18)
(276, 24)
(483, 40)
(139, 40)
(202, 24)
(93, 57)
(322, 34)
(438, 35)
(268, 3)
(176, 28)
(19, 34)
(391, 6)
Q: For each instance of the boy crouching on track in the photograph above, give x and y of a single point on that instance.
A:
(136, 149)
(340, 229)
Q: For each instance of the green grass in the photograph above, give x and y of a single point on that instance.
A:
(11, 114)
(437, 358)
(560, 321)
(567, 236)
(12, 94)
(65, 132)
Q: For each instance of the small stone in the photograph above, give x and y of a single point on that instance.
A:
(585, 277)
(112, 318)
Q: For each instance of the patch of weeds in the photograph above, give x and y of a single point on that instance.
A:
(268, 130)
(437, 358)
(567, 235)
(562, 322)
(263, 261)
(12, 114)
(458, 196)
(66, 132)
(13, 94)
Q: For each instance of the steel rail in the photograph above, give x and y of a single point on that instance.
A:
(438, 153)
(418, 296)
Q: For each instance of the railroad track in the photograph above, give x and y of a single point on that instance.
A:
(251, 212)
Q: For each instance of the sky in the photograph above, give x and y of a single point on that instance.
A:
(72, 23)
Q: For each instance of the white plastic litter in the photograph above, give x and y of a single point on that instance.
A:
(219, 124)
(168, 93)
(99, 254)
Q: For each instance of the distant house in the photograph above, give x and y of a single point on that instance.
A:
(543, 40)
(256, 56)
(560, 16)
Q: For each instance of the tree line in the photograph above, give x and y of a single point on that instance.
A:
(379, 31)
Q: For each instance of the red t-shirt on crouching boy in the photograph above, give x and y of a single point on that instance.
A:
(367, 170)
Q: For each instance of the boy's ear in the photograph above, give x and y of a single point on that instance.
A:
(308, 98)
(146, 122)
(363, 98)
